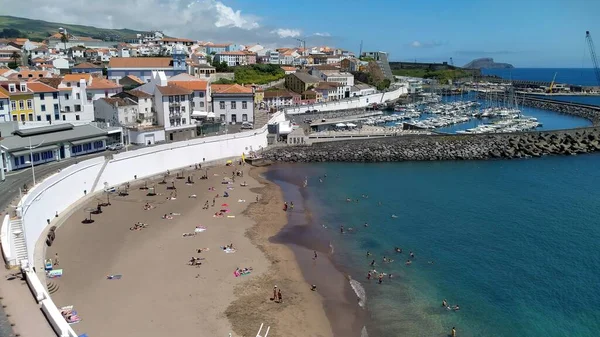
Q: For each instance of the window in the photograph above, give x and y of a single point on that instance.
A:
(193, 104)
(98, 144)
(76, 117)
(177, 98)
(30, 117)
(201, 104)
(56, 116)
(1, 105)
(13, 105)
(55, 95)
(87, 147)
(48, 118)
(39, 118)
(201, 94)
(29, 104)
(21, 105)
(126, 119)
(43, 107)
(77, 107)
(68, 109)
(222, 105)
(55, 108)
(76, 149)
(42, 96)
(170, 99)
(222, 117)
(36, 157)
(106, 94)
(244, 117)
(192, 95)
(78, 96)
(233, 105)
(16, 161)
(22, 117)
(23, 88)
(183, 121)
(171, 109)
(67, 97)
(244, 105)
(68, 84)
(182, 98)
(78, 84)
(64, 118)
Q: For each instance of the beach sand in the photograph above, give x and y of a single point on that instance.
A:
(159, 293)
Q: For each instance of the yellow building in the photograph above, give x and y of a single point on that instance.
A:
(259, 96)
(21, 100)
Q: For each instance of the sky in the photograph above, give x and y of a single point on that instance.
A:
(525, 33)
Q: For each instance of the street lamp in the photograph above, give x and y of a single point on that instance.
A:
(31, 156)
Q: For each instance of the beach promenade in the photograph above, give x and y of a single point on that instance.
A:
(159, 293)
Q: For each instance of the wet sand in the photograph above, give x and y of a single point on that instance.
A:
(159, 294)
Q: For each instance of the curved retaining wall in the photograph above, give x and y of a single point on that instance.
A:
(445, 147)
(350, 103)
(59, 191)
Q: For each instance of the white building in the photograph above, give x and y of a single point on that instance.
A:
(232, 58)
(233, 103)
(124, 52)
(74, 102)
(46, 103)
(116, 111)
(255, 48)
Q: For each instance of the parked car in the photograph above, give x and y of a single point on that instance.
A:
(115, 147)
(247, 125)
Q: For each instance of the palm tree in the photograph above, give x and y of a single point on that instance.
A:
(64, 39)
(15, 60)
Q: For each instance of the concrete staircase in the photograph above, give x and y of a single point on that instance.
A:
(18, 237)
(106, 160)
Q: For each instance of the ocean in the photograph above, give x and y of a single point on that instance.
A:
(513, 243)
(577, 76)
(581, 76)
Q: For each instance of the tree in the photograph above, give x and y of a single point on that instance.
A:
(208, 59)
(15, 58)
(64, 39)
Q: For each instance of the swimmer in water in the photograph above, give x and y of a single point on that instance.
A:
(398, 250)
(372, 263)
(412, 255)
(408, 262)
(444, 303)
(394, 216)
(368, 253)
(385, 259)
(342, 229)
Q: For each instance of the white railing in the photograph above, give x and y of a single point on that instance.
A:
(59, 191)
(7, 244)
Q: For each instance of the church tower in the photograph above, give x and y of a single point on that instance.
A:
(179, 55)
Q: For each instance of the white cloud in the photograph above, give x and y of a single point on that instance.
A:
(419, 44)
(322, 34)
(284, 33)
(207, 20)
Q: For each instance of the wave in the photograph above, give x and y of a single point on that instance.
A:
(363, 332)
(360, 292)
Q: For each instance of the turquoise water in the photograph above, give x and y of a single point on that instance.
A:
(514, 243)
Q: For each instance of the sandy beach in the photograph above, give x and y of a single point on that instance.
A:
(159, 293)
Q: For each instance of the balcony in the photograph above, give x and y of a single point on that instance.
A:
(174, 104)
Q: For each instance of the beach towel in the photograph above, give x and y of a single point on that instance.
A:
(229, 250)
(241, 200)
(199, 229)
(114, 277)
(48, 264)
(231, 216)
(54, 273)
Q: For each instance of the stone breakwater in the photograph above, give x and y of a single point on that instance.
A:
(591, 113)
(445, 147)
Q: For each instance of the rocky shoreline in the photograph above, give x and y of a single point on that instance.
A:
(580, 110)
(444, 147)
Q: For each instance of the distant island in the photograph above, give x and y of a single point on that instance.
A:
(487, 63)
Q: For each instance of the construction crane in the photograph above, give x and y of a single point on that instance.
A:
(451, 62)
(552, 84)
(590, 43)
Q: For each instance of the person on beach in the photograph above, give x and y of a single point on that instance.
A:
(380, 278)
(291, 204)
(56, 262)
(315, 257)
(369, 275)
(285, 206)
(279, 298)
(213, 204)
(372, 263)
(274, 294)
(453, 332)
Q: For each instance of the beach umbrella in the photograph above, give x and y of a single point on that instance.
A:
(224, 205)
(340, 125)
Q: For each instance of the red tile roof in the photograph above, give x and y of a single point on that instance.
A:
(171, 90)
(40, 87)
(191, 85)
(230, 89)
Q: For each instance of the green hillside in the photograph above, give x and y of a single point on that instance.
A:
(37, 30)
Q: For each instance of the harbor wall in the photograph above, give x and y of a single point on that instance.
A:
(589, 112)
(445, 147)
(350, 103)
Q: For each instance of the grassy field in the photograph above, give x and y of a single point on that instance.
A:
(38, 30)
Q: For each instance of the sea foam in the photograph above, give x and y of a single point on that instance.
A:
(359, 291)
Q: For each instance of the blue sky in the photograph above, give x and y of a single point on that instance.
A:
(526, 33)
